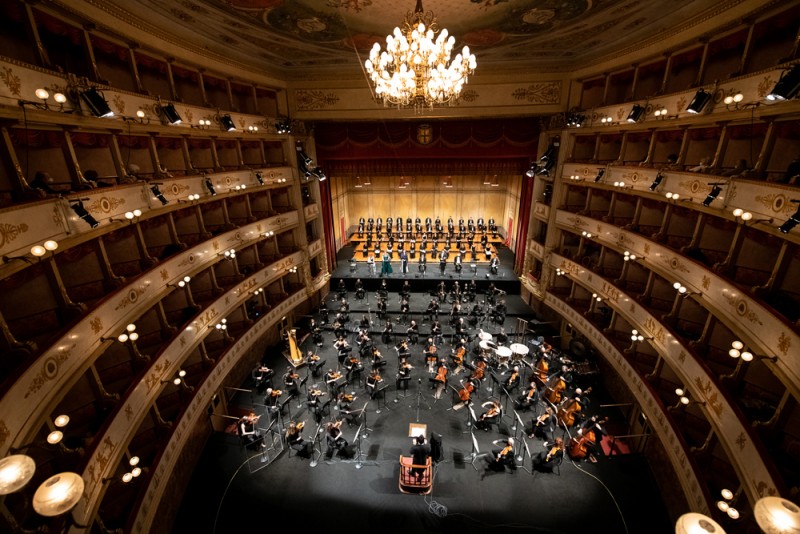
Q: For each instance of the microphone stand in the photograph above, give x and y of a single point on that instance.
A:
(317, 439)
(476, 452)
(420, 398)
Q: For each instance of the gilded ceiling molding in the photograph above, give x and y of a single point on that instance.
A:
(539, 93)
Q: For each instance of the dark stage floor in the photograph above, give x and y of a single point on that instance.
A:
(228, 492)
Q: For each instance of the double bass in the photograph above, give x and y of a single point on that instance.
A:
(553, 394)
(566, 413)
(578, 446)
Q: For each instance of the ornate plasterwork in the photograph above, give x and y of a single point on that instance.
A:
(131, 298)
(49, 370)
(105, 204)
(742, 308)
(307, 100)
(9, 232)
(539, 93)
(11, 80)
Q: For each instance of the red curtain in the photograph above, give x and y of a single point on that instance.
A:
(37, 138)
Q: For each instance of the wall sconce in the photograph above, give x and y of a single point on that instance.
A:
(130, 475)
(774, 514)
(252, 129)
(622, 185)
(129, 216)
(637, 337)
(600, 172)
(531, 172)
(575, 120)
(179, 380)
(714, 193)
(656, 182)
(293, 270)
(53, 438)
(268, 234)
(597, 297)
(606, 120)
(141, 116)
(258, 291)
(170, 114)
(43, 95)
(787, 87)
(16, 470)
(560, 272)
(660, 112)
(636, 114)
(737, 351)
(259, 178)
(628, 256)
(793, 221)
(684, 400)
(587, 235)
(210, 186)
(96, 103)
(733, 99)
(227, 123)
(202, 124)
(182, 282)
(83, 213)
(228, 254)
(726, 504)
(157, 193)
(191, 198)
(37, 251)
(241, 187)
(675, 197)
(701, 98)
(682, 290)
(576, 178)
(128, 335)
(283, 126)
(222, 325)
(58, 494)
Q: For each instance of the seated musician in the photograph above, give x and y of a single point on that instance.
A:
(501, 336)
(494, 264)
(402, 348)
(500, 458)
(464, 395)
(457, 263)
(513, 379)
(378, 360)
(593, 429)
(475, 314)
(403, 374)
(334, 439)
(405, 291)
(436, 332)
(420, 452)
(388, 331)
(432, 310)
(344, 402)
(382, 308)
(271, 397)
(413, 332)
(331, 378)
(373, 381)
(460, 328)
(247, 430)
(313, 401)
(545, 461)
(316, 332)
(491, 415)
(459, 352)
(479, 370)
(360, 293)
(440, 380)
(529, 398)
(342, 347)
(341, 290)
(455, 312)
(364, 323)
(262, 374)
(290, 379)
(543, 426)
(295, 440)
(500, 309)
(353, 365)
(314, 362)
(431, 354)
(365, 345)
(338, 327)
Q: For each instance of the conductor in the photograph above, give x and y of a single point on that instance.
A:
(420, 453)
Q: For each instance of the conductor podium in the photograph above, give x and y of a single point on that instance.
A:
(409, 482)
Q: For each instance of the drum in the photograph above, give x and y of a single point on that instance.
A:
(503, 355)
(486, 349)
(484, 336)
(519, 351)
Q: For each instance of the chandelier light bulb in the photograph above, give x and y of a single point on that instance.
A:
(176, 381)
(738, 212)
(679, 391)
(676, 285)
(723, 506)
(181, 373)
(747, 356)
(131, 327)
(734, 353)
(728, 100)
(140, 114)
(133, 336)
(684, 400)
(50, 245)
(746, 216)
(136, 471)
(732, 512)
(122, 338)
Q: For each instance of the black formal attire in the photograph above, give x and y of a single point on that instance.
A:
(420, 454)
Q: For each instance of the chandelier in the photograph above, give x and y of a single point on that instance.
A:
(416, 70)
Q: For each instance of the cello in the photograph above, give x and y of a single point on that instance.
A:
(465, 392)
(578, 446)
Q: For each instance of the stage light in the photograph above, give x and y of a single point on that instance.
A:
(531, 172)
(787, 86)
(656, 182)
(699, 101)
(637, 112)
(714, 193)
(259, 178)
(210, 187)
(97, 103)
(319, 174)
(157, 193)
(227, 123)
(171, 114)
(600, 173)
(81, 212)
(283, 126)
(792, 222)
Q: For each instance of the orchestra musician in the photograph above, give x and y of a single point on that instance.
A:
(494, 264)
(378, 360)
(436, 332)
(491, 415)
(464, 395)
(432, 312)
(546, 460)
(313, 401)
(314, 362)
(502, 457)
(343, 348)
(527, 399)
(554, 389)
(431, 356)
(569, 411)
(334, 439)
(541, 370)
(442, 260)
(316, 332)
(479, 370)
(271, 397)
(585, 443)
(364, 323)
(423, 261)
(402, 348)
(440, 380)
(341, 291)
(458, 356)
(543, 426)
(344, 402)
(373, 380)
(413, 332)
(513, 379)
(332, 379)
(403, 374)
(290, 379)
(296, 441)
(388, 332)
(381, 308)
(262, 375)
(246, 427)
(338, 326)
(457, 263)
(353, 366)
(404, 310)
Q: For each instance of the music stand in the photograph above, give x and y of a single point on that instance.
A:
(420, 398)
(357, 441)
(472, 419)
(302, 385)
(363, 413)
(317, 439)
(522, 459)
(382, 391)
(519, 426)
(476, 451)
(264, 450)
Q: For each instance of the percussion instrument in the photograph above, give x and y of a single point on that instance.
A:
(484, 336)
(519, 351)
(503, 354)
(486, 349)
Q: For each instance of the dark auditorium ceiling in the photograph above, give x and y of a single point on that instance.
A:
(301, 39)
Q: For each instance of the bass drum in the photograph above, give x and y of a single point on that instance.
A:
(578, 348)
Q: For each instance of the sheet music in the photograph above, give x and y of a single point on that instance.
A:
(358, 432)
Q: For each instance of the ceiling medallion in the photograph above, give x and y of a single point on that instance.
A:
(415, 70)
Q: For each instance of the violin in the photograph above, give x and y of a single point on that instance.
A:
(346, 397)
(317, 392)
(553, 452)
(491, 412)
(441, 374)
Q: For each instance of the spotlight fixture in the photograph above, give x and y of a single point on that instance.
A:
(701, 98)
(656, 182)
(793, 221)
(96, 103)
(210, 187)
(84, 214)
(637, 112)
(726, 504)
(788, 86)
(259, 178)
(714, 193)
(170, 113)
(130, 475)
(283, 126)
(531, 172)
(268, 234)
(157, 193)
(600, 173)
(227, 123)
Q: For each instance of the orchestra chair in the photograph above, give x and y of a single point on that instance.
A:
(408, 482)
